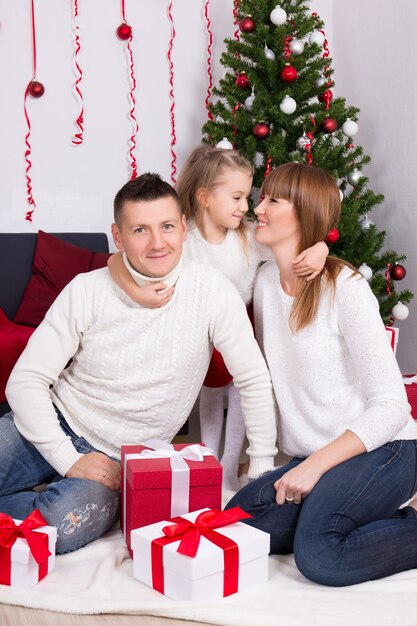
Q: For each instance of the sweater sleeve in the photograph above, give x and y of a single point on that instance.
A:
(386, 409)
(232, 335)
(49, 349)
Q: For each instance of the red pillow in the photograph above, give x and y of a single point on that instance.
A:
(55, 264)
(99, 260)
(13, 339)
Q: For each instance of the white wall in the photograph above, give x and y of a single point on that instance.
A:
(373, 47)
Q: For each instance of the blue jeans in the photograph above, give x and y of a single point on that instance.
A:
(349, 529)
(82, 510)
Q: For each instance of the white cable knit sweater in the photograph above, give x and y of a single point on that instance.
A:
(338, 373)
(229, 257)
(136, 372)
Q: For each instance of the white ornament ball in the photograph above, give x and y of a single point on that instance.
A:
(341, 195)
(366, 223)
(249, 102)
(317, 37)
(259, 159)
(350, 128)
(365, 270)
(288, 105)
(224, 144)
(278, 16)
(320, 82)
(354, 176)
(400, 311)
(296, 47)
(269, 54)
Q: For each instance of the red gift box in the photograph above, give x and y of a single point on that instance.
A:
(412, 398)
(160, 482)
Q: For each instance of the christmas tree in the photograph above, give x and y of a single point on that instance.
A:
(275, 104)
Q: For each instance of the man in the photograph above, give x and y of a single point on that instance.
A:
(135, 372)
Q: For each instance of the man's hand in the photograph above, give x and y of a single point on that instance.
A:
(97, 466)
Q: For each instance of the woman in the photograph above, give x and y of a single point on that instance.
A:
(342, 410)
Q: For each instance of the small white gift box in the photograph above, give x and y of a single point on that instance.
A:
(229, 558)
(18, 566)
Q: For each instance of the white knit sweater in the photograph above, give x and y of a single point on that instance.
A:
(136, 372)
(338, 373)
(229, 257)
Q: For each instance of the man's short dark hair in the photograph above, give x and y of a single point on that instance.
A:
(145, 188)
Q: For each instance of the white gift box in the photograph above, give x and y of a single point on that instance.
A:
(201, 578)
(25, 571)
(392, 334)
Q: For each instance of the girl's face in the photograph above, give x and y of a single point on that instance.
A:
(227, 202)
(277, 222)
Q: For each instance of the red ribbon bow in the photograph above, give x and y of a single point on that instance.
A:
(37, 542)
(190, 534)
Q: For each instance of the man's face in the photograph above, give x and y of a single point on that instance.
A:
(151, 234)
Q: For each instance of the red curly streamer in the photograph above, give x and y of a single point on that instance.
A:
(209, 58)
(268, 167)
(287, 49)
(28, 150)
(236, 19)
(171, 95)
(123, 11)
(310, 136)
(234, 110)
(388, 279)
(132, 112)
(78, 137)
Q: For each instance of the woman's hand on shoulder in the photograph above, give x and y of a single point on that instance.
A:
(311, 261)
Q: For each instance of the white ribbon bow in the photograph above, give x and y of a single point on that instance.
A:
(180, 481)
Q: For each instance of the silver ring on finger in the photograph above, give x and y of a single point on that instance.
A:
(289, 500)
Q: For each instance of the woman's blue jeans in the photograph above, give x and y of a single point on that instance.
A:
(82, 510)
(349, 529)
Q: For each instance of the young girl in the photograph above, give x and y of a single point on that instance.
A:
(213, 189)
(343, 411)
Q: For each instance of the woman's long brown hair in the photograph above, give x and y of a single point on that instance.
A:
(316, 199)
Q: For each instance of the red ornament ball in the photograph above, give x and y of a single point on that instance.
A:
(124, 31)
(247, 25)
(332, 236)
(242, 81)
(329, 125)
(36, 89)
(326, 96)
(397, 272)
(261, 131)
(289, 74)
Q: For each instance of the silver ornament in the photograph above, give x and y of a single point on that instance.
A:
(320, 82)
(354, 176)
(302, 142)
(249, 102)
(296, 47)
(278, 16)
(269, 54)
(366, 271)
(350, 128)
(366, 223)
(317, 37)
(400, 311)
(224, 144)
(288, 105)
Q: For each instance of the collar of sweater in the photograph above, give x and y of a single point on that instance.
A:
(142, 281)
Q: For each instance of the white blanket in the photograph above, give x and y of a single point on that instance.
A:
(98, 579)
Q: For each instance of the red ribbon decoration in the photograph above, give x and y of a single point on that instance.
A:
(236, 19)
(234, 110)
(309, 144)
(171, 95)
(268, 167)
(37, 542)
(209, 58)
(78, 137)
(190, 533)
(135, 125)
(326, 70)
(28, 151)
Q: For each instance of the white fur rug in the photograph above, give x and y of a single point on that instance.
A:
(98, 579)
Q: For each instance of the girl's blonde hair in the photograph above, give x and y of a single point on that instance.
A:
(205, 168)
(316, 199)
